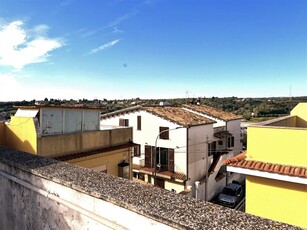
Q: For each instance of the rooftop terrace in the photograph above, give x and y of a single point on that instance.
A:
(290, 121)
(155, 207)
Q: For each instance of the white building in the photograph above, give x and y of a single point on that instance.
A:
(226, 143)
(189, 147)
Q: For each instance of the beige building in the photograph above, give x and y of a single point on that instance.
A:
(72, 135)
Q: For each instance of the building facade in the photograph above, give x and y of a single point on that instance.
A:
(276, 168)
(72, 135)
(188, 154)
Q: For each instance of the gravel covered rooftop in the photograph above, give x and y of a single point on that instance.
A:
(176, 210)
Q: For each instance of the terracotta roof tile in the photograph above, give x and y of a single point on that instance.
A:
(121, 111)
(236, 159)
(179, 176)
(174, 114)
(179, 115)
(268, 167)
(213, 112)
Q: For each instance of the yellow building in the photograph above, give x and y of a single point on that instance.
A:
(275, 166)
(72, 135)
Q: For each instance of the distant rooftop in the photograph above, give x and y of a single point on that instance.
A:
(213, 112)
(177, 211)
(54, 107)
(177, 115)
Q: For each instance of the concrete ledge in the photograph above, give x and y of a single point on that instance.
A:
(176, 211)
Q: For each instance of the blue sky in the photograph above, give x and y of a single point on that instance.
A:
(121, 49)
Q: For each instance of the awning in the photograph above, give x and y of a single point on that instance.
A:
(26, 113)
(222, 134)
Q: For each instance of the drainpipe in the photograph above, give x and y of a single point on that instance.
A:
(207, 169)
(226, 168)
(187, 153)
(196, 190)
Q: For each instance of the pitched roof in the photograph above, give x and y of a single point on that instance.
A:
(121, 111)
(174, 114)
(239, 161)
(179, 115)
(213, 112)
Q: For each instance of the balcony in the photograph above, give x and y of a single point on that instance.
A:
(138, 163)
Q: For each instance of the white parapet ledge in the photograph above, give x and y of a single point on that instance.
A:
(274, 176)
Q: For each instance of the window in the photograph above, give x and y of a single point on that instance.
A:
(123, 122)
(165, 159)
(230, 141)
(164, 133)
(148, 156)
(136, 151)
(220, 142)
(162, 158)
(221, 173)
(139, 123)
(211, 148)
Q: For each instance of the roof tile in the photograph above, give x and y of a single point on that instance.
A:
(266, 167)
(213, 112)
(179, 115)
(179, 176)
(174, 114)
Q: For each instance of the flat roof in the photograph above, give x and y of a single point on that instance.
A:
(54, 107)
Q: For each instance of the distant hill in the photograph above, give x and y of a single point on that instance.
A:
(252, 109)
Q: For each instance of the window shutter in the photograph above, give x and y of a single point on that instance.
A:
(171, 160)
(137, 152)
(164, 135)
(148, 156)
(121, 122)
(231, 141)
(139, 123)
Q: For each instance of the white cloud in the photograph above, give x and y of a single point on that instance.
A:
(16, 87)
(104, 46)
(116, 30)
(19, 47)
(122, 18)
(39, 30)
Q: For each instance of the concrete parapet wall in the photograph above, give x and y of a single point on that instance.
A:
(29, 201)
(41, 193)
(63, 144)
